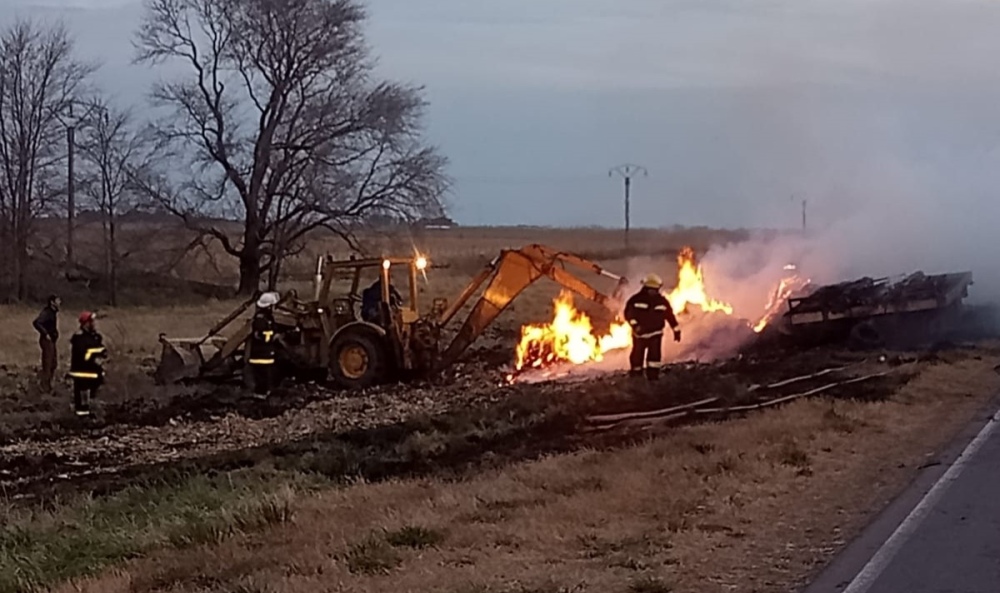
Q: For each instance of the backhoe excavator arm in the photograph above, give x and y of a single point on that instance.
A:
(513, 271)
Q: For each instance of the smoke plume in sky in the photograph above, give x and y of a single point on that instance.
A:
(879, 113)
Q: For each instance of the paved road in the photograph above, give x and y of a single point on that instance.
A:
(941, 536)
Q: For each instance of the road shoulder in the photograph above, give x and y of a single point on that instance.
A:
(858, 566)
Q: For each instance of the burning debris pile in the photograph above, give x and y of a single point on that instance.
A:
(874, 312)
(570, 339)
(866, 312)
(789, 286)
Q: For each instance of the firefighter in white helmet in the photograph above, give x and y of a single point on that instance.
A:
(262, 349)
(648, 312)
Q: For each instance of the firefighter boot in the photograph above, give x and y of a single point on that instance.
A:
(81, 400)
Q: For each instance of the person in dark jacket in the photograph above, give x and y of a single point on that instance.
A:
(47, 326)
(87, 352)
(648, 312)
(262, 352)
(371, 300)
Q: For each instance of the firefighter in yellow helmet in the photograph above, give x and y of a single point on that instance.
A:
(648, 312)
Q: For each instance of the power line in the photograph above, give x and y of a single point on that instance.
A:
(491, 180)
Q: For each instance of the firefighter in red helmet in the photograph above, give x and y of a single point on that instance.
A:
(87, 352)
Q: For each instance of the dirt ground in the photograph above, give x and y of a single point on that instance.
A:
(470, 483)
(544, 504)
(140, 429)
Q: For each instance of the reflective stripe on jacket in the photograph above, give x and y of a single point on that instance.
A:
(86, 351)
(648, 312)
(262, 336)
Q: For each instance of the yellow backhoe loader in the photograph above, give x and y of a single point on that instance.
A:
(335, 337)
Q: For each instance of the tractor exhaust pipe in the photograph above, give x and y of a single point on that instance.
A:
(318, 278)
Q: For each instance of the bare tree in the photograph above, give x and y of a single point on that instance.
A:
(39, 80)
(111, 149)
(284, 124)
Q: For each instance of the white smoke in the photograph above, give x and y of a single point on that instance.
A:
(745, 275)
(877, 242)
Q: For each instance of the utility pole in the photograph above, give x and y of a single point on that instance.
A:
(70, 124)
(626, 172)
(70, 191)
(791, 198)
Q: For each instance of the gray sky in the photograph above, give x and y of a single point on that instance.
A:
(734, 106)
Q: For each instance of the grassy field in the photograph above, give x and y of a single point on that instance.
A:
(755, 504)
(132, 330)
(175, 253)
(752, 504)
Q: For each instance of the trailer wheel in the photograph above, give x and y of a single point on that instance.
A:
(357, 360)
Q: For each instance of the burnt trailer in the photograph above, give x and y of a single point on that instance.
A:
(879, 312)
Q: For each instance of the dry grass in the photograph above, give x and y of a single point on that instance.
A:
(132, 332)
(747, 505)
(465, 248)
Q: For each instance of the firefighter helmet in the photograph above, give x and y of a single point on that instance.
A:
(86, 317)
(268, 300)
(652, 281)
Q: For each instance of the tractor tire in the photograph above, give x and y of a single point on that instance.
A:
(357, 360)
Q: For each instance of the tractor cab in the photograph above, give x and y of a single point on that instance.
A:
(359, 325)
(372, 295)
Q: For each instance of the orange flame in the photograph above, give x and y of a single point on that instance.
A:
(690, 289)
(568, 338)
(786, 288)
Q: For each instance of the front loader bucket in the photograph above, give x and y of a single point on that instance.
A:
(182, 359)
